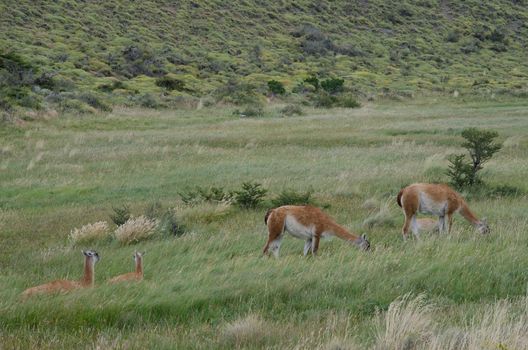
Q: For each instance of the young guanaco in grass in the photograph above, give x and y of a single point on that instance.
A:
(91, 257)
(424, 225)
(132, 276)
(308, 223)
(435, 199)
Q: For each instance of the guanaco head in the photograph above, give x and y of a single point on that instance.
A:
(483, 227)
(91, 255)
(138, 256)
(362, 242)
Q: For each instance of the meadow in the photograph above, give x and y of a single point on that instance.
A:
(211, 287)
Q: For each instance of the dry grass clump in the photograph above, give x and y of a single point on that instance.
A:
(136, 229)
(381, 218)
(499, 327)
(405, 325)
(248, 331)
(90, 232)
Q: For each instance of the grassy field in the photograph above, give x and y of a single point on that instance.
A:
(211, 288)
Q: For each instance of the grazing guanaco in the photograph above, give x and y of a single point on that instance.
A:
(436, 199)
(308, 223)
(132, 276)
(91, 257)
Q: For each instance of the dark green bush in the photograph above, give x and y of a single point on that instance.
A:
(481, 147)
(291, 197)
(313, 81)
(169, 83)
(250, 196)
(276, 87)
(148, 101)
(333, 85)
(120, 214)
(169, 225)
(238, 93)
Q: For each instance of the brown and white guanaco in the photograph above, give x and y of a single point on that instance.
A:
(91, 257)
(436, 199)
(308, 223)
(137, 275)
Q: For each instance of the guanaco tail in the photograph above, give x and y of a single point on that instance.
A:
(132, 276)
(91, 257)
(435, 199)
(308, 223)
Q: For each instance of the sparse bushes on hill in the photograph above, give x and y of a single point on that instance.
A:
(171, 83)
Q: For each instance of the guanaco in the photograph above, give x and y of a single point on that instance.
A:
(132, 276)
(435, 199)
(308, 223)
(424, 225)
(91, 257)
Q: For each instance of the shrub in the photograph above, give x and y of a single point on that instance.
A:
(95, 102)
(190, 197)
(323, 100)
(250, 196)
(148, 101)
(291, 109)
(481, 147)
(313, 81)
(170, 83)
(348, 101)
(459, 171)
(252, 111)
(214, 194)
(154, 210)
(90, 232)
(169, 225)
(136, 229)
(276, 87)
(238, 93)
(332, 85)
(291, 197)
(120, 215)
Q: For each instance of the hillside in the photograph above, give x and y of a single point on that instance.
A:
(117, 51)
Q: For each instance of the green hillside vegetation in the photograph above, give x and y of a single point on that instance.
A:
(87, 56)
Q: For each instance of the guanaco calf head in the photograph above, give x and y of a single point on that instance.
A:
(92, 256)
(362, 242)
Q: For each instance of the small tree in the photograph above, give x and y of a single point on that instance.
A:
(250, 196)
(276, 87)
(481, 147)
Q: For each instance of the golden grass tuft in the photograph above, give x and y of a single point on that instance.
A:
(90, 232)
(250, 330)
(136, 229)
(405, 325)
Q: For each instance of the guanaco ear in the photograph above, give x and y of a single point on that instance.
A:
(143, 254)
(84, 253)
(364, 236)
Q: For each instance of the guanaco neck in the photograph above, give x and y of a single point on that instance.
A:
(88, 278)
(139, 266)
(468, 214)
(343, 233)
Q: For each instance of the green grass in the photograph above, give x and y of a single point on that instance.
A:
(211, 288)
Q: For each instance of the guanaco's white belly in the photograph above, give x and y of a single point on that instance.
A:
(430, 206)
(296, 229)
